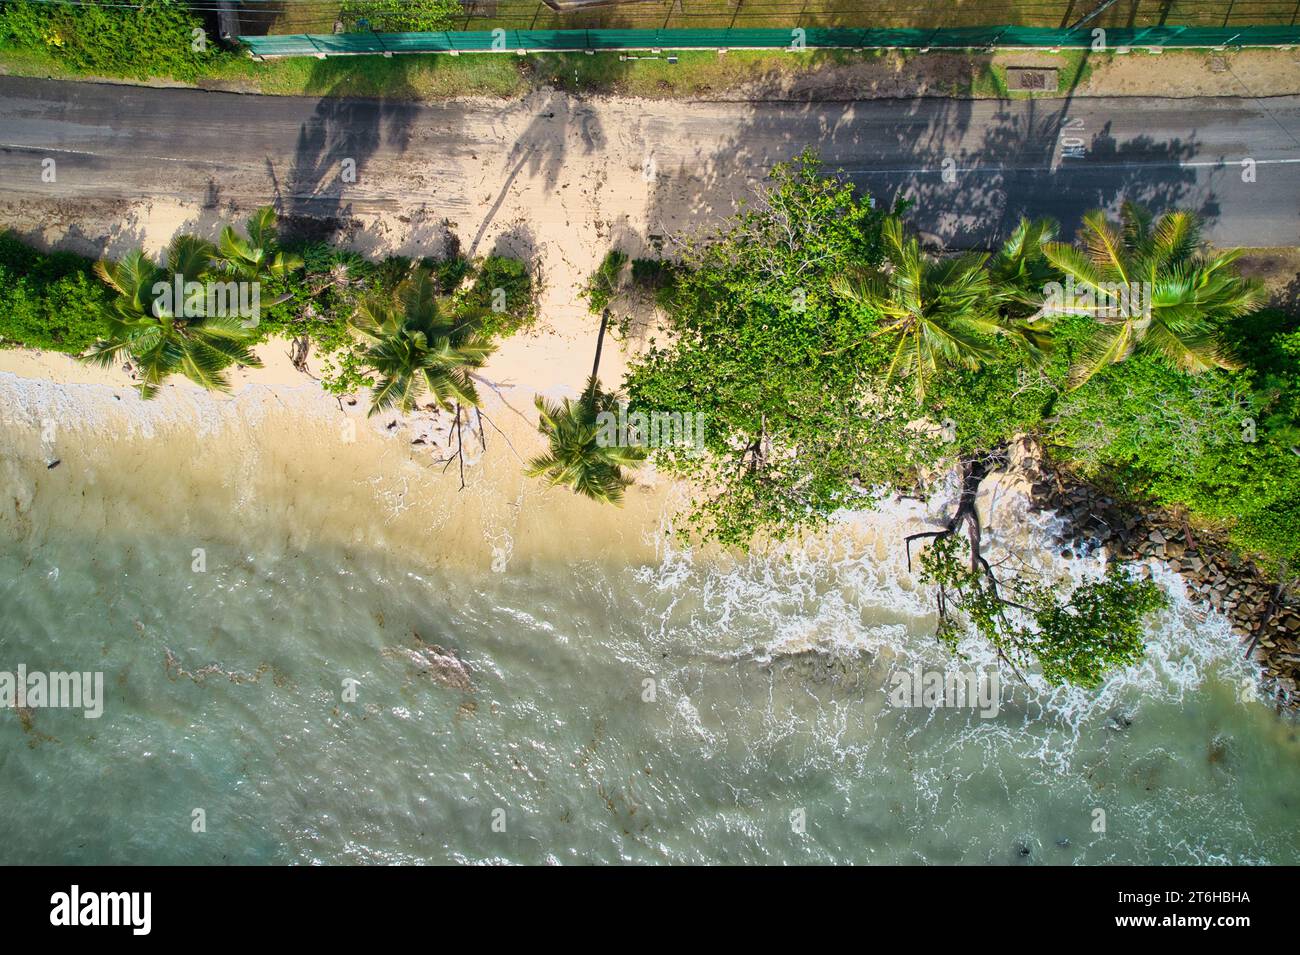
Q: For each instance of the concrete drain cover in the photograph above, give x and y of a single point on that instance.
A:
(1032, 79)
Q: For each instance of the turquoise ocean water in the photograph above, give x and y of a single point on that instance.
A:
(766, 735)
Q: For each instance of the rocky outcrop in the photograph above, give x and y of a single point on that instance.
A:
(440, 665)
(1265, 617)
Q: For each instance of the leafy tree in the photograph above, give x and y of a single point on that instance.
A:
(418, 347)
(1077, 639)
(578, 458)
(160, 338)
(781, 369)
(1191, 297)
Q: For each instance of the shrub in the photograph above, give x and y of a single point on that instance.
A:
(48, 301)
(514, 306)
(448, 273)
(109, 40)
(602, 286)
(1193, 441)
(413, 16)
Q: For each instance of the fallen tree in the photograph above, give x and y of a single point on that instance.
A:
(838, 364)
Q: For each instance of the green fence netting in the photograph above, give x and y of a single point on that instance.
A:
(513, 41)
(260, 17)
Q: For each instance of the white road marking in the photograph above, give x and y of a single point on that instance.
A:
(1224, 163)
(1178, 164)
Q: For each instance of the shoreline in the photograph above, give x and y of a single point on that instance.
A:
(1263, 617)
(280, 451)
(383, 488)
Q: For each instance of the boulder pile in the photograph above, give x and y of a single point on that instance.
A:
(1263, 615)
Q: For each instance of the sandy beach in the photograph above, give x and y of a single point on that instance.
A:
(333, 545)
(279, 449)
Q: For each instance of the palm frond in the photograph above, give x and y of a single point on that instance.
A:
(190, 257)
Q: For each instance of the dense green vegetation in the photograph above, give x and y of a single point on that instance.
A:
(797, 314)
(312, 293)
(779, 365)
(48, 301)
(317, 309)
(157, 38)
(1218, 447)
(413, 16)
(835, 361)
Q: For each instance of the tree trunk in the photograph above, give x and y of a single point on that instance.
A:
(600, 340)
(973, 472)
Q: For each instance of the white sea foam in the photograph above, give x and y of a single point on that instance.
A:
(849, 593)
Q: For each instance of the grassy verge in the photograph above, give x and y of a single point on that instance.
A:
(695, 74)
(1073, 69)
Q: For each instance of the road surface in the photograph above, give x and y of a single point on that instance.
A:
(555, 165)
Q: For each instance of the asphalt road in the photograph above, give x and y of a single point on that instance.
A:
(972, 167)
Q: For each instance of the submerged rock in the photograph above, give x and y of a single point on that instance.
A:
(439, 664)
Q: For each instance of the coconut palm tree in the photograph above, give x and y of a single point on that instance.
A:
(1020, 273)
(419, 346)
(1184, 298)
(163, 337)
(578, 458)
(1021, 270)
(258, 256)
(934, 313)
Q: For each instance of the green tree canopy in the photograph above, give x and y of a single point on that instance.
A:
(419, 347)
(164, 337)
(1179, 301)
(260, 254)
(577, 457)
(933, 313)
(783, 370)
